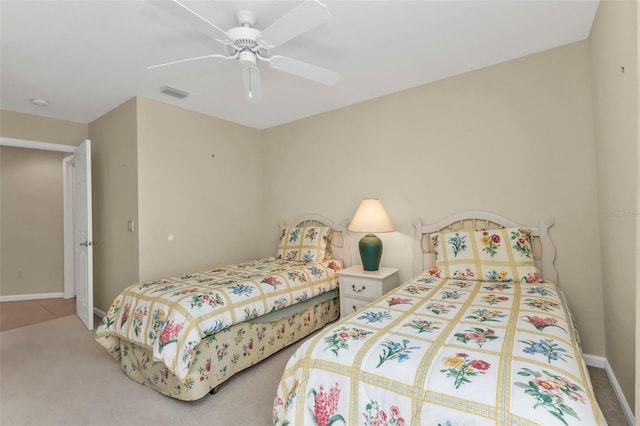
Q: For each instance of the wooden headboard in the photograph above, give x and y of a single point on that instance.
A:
(339, 242)
(544, 252)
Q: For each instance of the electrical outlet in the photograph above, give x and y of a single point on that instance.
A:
(20, 274)
(130, 226)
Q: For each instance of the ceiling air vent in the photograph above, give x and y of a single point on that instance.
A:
(172, 91)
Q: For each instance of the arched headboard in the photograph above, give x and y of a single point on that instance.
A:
(544, 252)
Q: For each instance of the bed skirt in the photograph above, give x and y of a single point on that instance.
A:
(219, 356)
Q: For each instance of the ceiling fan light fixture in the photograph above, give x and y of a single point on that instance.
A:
(247, 59)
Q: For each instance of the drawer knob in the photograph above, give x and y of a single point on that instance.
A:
(353, 286)
(354, 308)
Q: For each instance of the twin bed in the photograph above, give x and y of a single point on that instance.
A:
(480, 336)
(476, 338)
(185, 335)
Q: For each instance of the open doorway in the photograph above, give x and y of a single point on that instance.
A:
(77, 234)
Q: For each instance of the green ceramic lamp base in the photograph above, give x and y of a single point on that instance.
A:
(370, 252)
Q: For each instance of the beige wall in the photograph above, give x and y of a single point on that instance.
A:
(637, 375)
(31, 221)
(41, 129)
(115, 202)
(614, 45)
(200, 191)
(31, 227)
(516, 139)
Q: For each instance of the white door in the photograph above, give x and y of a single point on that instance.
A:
(83, 234)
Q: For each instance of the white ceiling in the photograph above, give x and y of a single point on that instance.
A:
(88, 57)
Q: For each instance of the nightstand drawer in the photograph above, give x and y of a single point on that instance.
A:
(360, 288)
(352, 305)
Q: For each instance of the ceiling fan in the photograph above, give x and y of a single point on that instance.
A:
(249, 45)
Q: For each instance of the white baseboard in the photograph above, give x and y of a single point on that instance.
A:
(18, 297)
(601, 362)
(594, 360)
(99, 312)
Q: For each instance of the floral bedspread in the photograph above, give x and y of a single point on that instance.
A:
(444, 352)
(170, 316)
(224, 354)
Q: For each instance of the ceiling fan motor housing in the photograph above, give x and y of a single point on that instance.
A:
(245, 42)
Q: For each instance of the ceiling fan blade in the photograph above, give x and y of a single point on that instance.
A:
(252, 84)
(304, 70)
(303, 18)
(197, 58)
(188, 16)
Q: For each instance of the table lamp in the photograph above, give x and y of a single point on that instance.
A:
(370, 217)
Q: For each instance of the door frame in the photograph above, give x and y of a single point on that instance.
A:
(68, 164)
(67, 183)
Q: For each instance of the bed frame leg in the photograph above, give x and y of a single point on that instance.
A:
(214, 390)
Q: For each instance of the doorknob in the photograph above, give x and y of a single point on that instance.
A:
(86, 243)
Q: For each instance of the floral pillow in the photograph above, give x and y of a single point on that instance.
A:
(307, 244)
(492, 255)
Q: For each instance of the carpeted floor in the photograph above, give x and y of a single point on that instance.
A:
(54, 373)
(607, 398)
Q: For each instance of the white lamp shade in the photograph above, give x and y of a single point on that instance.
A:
(371, 217)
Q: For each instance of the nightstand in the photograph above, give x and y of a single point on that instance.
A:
(358, 287)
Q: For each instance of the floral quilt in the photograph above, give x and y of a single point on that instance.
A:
(170, 316)
(444, 352)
